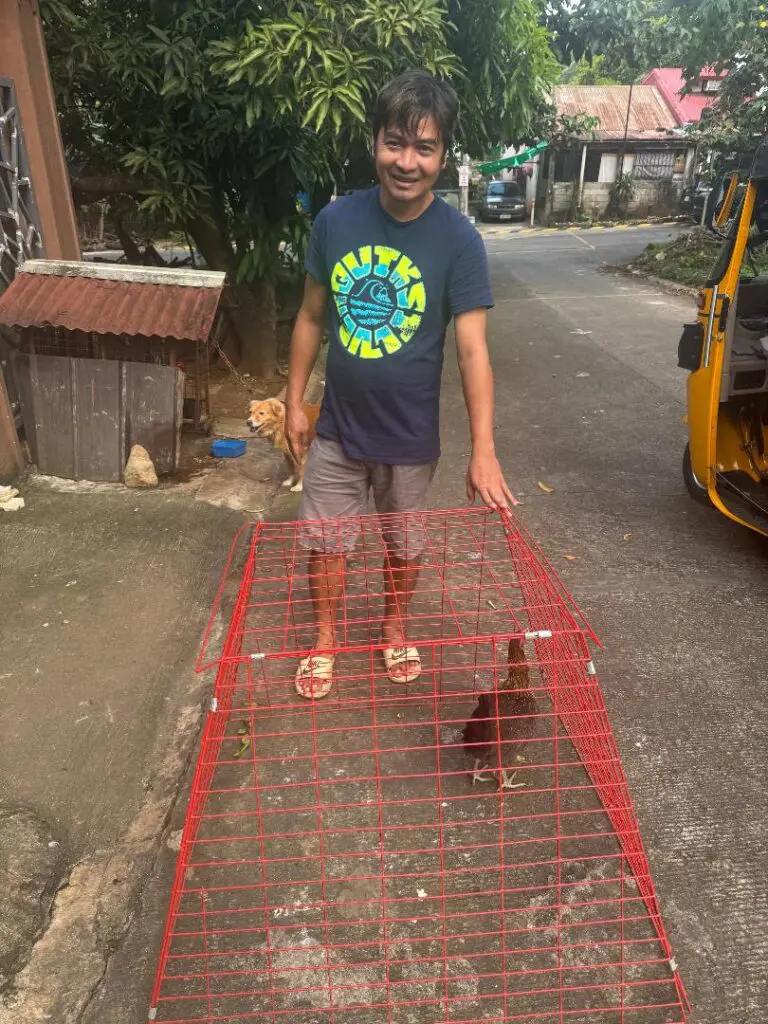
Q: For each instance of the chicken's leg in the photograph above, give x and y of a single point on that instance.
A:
(506, 780)
(478, 775)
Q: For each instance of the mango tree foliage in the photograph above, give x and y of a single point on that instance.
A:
(327, 60)
(215, 113)
(631, 36)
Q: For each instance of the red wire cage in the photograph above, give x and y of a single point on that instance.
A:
(340, 864)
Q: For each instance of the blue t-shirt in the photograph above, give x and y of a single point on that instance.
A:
(394, 287)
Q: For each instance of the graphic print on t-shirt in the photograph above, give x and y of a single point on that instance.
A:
(380, 297)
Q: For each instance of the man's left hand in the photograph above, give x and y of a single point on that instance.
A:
(485, 478)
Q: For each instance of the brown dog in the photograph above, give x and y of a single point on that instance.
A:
(267, 419)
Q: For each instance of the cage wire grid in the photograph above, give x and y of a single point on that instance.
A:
(340, 863)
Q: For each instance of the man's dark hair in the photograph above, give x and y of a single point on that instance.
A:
(408, 99)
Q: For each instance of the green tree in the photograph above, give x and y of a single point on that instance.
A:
(732, 35)
(588, 72)
(214, 113)
(631, 36)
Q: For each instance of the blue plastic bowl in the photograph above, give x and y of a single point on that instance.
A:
(227, 448)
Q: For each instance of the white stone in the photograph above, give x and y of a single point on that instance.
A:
(139, 469)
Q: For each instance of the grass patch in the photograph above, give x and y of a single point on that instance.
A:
(690, 258)
(686, 260)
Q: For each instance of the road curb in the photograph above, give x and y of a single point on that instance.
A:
(670, 287)
(569, 227)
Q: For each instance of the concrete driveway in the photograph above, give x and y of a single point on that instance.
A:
(590, 403)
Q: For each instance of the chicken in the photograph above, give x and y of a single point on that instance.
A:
(492, 735)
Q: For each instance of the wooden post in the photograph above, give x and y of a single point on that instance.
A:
(11, 456)
(24, 60)
(580, 200)
(623, 149)
(550, 185)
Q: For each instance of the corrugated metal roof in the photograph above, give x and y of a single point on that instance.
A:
(93, 304)
(649, 115)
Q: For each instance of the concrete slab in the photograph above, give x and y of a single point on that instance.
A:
(229, 426)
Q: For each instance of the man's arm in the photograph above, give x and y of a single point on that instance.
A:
(305, 344)
(484, 476)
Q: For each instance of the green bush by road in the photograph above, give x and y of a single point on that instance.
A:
(689, 258)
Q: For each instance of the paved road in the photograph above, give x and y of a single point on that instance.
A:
(680, 603)
(590, 402)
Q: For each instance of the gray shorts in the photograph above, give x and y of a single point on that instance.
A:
(336, 487)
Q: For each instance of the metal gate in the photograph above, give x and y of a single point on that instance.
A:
(20, 235)
(20, 239)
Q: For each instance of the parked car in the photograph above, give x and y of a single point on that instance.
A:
(692, 202)
(502, 200)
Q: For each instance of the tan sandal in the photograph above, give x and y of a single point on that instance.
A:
(395, 657)
(314, 676)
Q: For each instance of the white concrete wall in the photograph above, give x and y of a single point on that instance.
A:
(651, 198)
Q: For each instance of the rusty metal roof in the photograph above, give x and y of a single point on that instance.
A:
(139, 301)
(649, 116)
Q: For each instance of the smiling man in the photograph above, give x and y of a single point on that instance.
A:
(396, 265)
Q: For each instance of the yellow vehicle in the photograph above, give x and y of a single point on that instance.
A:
(725, 463)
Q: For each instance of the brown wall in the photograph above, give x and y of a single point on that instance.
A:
(23, 59)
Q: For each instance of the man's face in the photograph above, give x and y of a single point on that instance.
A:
(408, 165)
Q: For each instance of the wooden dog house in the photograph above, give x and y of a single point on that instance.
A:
(109, 356)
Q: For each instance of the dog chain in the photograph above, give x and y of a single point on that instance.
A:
(238, 377)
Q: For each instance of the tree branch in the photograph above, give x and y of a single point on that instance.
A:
(101, 186)
(130, 248)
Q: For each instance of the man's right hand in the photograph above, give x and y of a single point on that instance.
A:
(296, 431)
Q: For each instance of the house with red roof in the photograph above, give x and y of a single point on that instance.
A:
(687, 106)
(637, 134)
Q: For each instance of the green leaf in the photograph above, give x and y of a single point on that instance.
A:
(322, 113)
(161, 35)
(310, 114)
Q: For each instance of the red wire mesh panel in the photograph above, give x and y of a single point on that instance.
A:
(366, 859)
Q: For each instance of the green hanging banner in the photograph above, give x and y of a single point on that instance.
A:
(512, 161)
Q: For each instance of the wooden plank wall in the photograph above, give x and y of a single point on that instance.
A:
(154, 411)
(83, 415)
(97, 419)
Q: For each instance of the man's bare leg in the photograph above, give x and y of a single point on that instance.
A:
(326, 579)
(400, 579)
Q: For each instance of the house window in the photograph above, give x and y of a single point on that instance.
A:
(592, 166)
(567, 164)
(654, 164)
(609, 165)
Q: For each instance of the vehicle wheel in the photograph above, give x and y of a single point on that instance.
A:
(693, 486)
